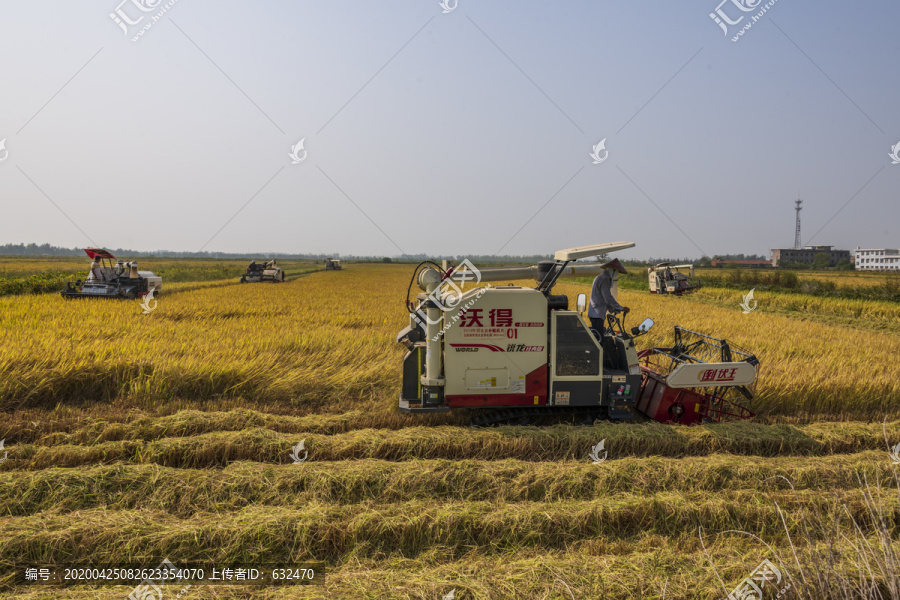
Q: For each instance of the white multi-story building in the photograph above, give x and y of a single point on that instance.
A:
(877, 259)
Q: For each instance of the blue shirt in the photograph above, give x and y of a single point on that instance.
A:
(601, 296)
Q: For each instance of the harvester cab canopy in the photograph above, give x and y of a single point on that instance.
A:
(677, 268)
(104, 258)
(99, 253)
(593, 250)
(106, 269)
(662, 265)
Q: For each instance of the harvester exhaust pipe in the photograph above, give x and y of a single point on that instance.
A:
(432, 381)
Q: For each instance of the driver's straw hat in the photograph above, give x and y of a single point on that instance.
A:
(615, 264)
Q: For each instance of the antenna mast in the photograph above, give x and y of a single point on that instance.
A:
(798, 204)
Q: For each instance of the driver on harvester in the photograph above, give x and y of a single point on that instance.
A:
(602, 300)
(95, 274)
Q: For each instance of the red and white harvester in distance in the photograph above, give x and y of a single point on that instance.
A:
(514, 354)
(112, 278)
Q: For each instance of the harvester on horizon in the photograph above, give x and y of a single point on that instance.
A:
(514, 354)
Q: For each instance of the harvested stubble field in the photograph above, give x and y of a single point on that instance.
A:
(134, 437)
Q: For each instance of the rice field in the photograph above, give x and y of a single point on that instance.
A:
(44, 275)
(135, 437)
(842, 279)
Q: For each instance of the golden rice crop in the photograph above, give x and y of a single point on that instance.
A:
(842, 279)
(872, 315)
(134, 437)
(327, 342)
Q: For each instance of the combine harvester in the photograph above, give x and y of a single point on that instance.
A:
(111, 278)
(513, 354)
(665, 280)
(267, 272)
(333, 264)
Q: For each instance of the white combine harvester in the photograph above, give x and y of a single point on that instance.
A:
(268, 271)
(666, 278)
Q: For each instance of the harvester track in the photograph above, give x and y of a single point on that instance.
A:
(533, 415)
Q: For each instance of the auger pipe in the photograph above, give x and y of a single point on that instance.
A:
(491, 274)
(429, 279)
(535, 273)
(547, 272)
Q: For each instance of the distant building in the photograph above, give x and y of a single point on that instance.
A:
(877, 259)
(807, 255)
(742, 263)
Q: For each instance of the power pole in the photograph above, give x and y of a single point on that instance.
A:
(797, 234)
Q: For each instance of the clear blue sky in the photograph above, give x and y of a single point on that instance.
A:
(450, 131)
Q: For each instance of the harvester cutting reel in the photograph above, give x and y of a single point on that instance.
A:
(699, 379)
